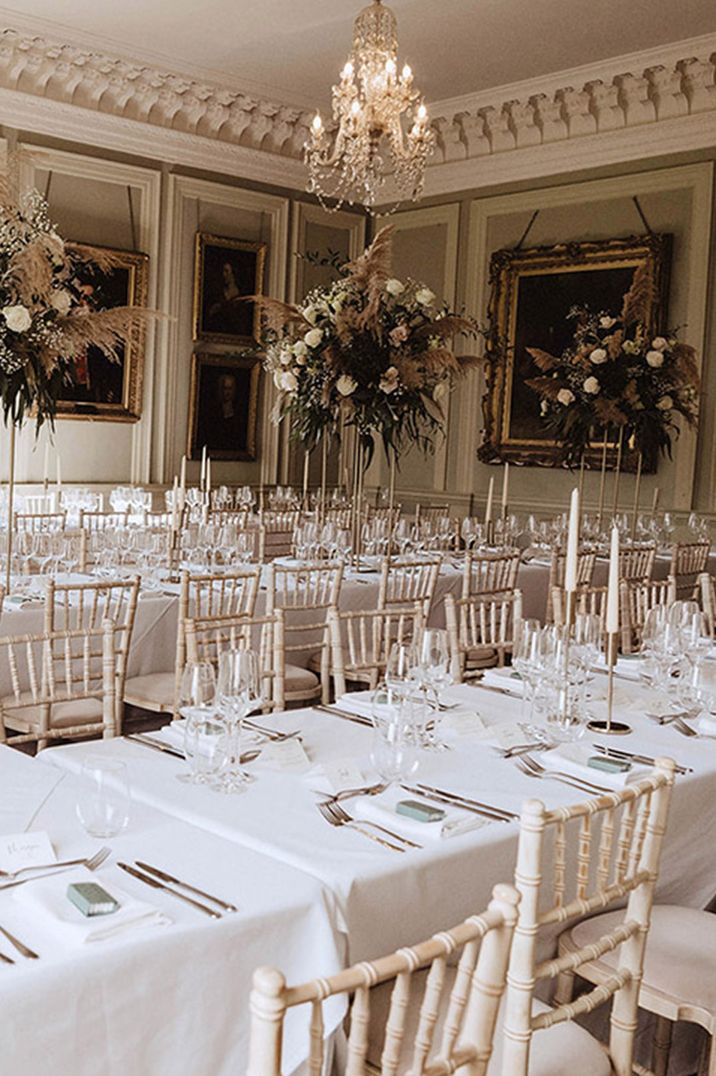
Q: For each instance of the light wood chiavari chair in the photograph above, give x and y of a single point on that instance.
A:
(489, 572)
(208, 637)
(688, 561)
(480, 631)
(591, 601)
(431, 513)
(557, 568)
(200, 595)
(636, 601)
(385, 513)
(603, 851)
(636, 561)
(401, 585)
(99, 521)
(342, 517)
(62, 683)
(458, 973)
(39, 521)
(707, 592)
(305, 594)
(39, 503)
(361, 641)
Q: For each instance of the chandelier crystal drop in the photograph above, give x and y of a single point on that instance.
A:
(381, 128)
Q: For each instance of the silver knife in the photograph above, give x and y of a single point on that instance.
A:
(148, 741)
(184, 885)
(25, 950)
(437, 797)
(334, 711)
(148, 880)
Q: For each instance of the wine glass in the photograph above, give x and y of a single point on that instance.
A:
(401, 670)
(526, 658)
(237, 694)
(197, 691)
(434, 675)
(394, 750)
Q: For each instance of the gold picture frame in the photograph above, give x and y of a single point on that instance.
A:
(223, 406)
(101, 389)
(532, 292)
(226, 271)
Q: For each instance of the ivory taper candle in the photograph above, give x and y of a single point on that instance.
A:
(505, 487)
(488, 506)
(570, 569)
(612, 624)
(182, 475)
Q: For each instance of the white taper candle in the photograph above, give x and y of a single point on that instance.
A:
(612, 624)
(488, 506)
(570, 569)
(505, 486)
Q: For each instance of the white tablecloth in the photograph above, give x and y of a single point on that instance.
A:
(166, 1001)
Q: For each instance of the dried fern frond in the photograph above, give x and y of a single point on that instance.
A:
(277, 314)
(638, 301)
(685, 363)
(106, 330)
(614, 343)
(542, 359)
(545, 386)
(29, 271)
(99, 258)
(445, 328)
(372, 267)
(608, 413)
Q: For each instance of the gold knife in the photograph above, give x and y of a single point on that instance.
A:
(25, 950)
(184, 885)
(148, 880)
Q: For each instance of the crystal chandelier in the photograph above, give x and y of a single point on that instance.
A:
(381, 131)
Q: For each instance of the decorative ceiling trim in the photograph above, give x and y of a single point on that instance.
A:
(662, 102)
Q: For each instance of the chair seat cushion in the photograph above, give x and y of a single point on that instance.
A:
(62, 714)
(152, 692)
(299, 680)
(680, 957)
(563, 1050)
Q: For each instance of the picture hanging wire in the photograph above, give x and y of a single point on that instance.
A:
(132, 225)
(47, 185)
(640, 211)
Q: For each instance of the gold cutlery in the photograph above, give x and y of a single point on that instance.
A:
(23, 949)
(155, 884)
(165, 877)
(350, 793)
(328, 811)
(630, 756)
(453, 799)
(92, 864)
(6, 959)
(532, 768)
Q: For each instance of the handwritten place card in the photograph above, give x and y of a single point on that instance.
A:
(342, 773)
(21, 850)
(288, 755)
(464, 723)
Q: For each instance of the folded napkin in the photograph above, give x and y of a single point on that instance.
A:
(507, 679)
(357, 702)
(46, 903)
(23, 601)
(627, 667)
(572, 758)
(381, 810)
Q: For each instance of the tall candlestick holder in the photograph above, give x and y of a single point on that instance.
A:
(610, 727)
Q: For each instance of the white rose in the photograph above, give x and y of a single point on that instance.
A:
(424, 296)
(394, 287)
(565, 396)
(630, 347)
(310, 314)
(300, 360)
(389, 381)
(61, 301)
(655, 358)
(313, 337)
(17, 318)
(288, 381)
(659, 343)
(606, 322)
(598, 356)
(591, 385)
(277, 376)
(665, 403)
(346, 385)
(299, 348)
(286, 358)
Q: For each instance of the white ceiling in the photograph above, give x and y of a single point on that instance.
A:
(292, 50)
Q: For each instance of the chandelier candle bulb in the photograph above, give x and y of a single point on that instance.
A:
(570, 570)
(612, 623)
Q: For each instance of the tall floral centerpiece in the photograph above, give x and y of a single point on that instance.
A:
(44, 324)
(369, 351)
(615, 374)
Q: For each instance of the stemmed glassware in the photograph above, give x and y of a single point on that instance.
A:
(526, 659)
(395, 738)
(237, 694)
(204, 734)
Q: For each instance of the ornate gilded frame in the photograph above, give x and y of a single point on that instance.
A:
(201, 360)
(507, 269)
(202, 242)
(130, 407)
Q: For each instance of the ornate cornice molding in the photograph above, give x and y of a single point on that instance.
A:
(596, 114)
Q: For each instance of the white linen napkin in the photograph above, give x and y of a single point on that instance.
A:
(357, 702)
(626, 666)
(507, 679)
(47, 904)
(573, 758)
(381, 809)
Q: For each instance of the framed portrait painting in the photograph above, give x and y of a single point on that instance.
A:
(532, 293)
(226, 271)
(99, 387)
(223, 404)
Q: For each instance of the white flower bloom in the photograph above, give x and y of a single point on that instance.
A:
(441, 390)
(289, 382)
(543, 407)
(598, 356)
(299, 348)
(310, 314)
(655, 358)
(565, 396)
(630, 347)
(286, 357)
(389, 381)
(394, 287)
(665, 403)
(592, 386)
(277, 376)
(313, 337)
(346, 385)
(659, 343)
(300, 360)
(61, 301)
(424, 296)
(17, 318)
(606, 322)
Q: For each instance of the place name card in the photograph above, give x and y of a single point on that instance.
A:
(285, 755)
(342, 773)
(21, 850)
(508, 736)
(464, 723)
